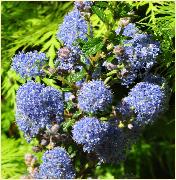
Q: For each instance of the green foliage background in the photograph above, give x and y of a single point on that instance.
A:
(33, 25)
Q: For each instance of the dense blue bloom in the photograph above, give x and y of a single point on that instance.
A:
(29, 64)
(83, 5)
(138, 55)
(74, 27)
(68, 96)
(104, 138)
(89, 132)
(146, 101)
(94, 97)
(155, 79)
(37, 107)
(66, 59)
(56, 165)
(130, 30)
(113, 146)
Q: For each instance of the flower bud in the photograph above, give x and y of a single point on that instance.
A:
(55, 128)
(63, 52)
(36, 148)
(72, 97)
(130, 126)
(28, 158)
(44, 142)
(118, 50)
(124, 21)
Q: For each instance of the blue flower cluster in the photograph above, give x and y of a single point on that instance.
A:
(89, 132)
(37, 107)
(56, 165)
(105, 139)
(130, 30)
(146, 101)
(74, 27)
(83, 5)
(94, 97)
(139, 53)
(66, 59)
(29, 64)
(155, 79)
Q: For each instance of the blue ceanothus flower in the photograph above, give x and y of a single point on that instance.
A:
(73, 27)
(29, 64)
(94, 97)
(136, 55)
(89, 132)
(83, 5)
(113, 146)
(144, 102)
(37, 107)
(130, 30)
(56, 165)
(104, 138)
(66, 59)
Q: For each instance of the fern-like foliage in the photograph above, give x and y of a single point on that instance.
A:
(35, 28)
(12, 157)
(160, 20)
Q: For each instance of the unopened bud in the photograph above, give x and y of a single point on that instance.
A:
(63, 52)
(36, 148)
(130, 126)
(124, 72)
(44, 142)
(124, 21)
(118, 50)
(28, 158)
(71, 97)
(109, 65)
(55, 128)
(52, 70)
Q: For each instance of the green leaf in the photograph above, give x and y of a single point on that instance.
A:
(76, 76)
(102, 4)
(12, 159)
(51, 82)
(100, 13)
(92, 46)
(68, 124)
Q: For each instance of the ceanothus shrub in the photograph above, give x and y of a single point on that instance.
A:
(75, 110)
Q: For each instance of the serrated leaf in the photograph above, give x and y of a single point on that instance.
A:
(51, 82)
(92, 46)
(100, 13)
(102, 4)
(76, 76)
